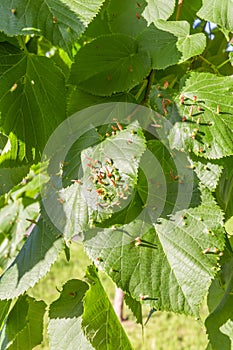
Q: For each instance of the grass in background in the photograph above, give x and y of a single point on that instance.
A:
(164, 331)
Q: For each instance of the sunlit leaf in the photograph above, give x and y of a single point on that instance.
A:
(188, 45)
(157, 9)
(219, 12)
(163, 265)
(107, 182)
(99, 322)
(39, 252)
(65, 317)
(205, 107)
(52, 19)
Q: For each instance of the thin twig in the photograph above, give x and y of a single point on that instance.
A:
(150, 81)
(178, 12)
(211, 65)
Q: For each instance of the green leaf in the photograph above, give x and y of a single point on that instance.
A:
(43, 47)
(219, 323)
(72, 164)
(33, 261)
(135, 306)
(75, 210)
(126, 16)
(157, 9)
(31, 184)
(219, 12)
(207, 172)
(206, 106)
(23, 327)
(25, 93)
(108, 64)
(9, 177)
(100, 323)
(211, 91)
(224, 192)
(14, 153)
(162, 98)
(93, 199)
(163, 265)
(229, 226)
(79, 100)
(110, 160)
(85, 10)
(192, 256)
(65, 314)
(53, 19)
(161, 45)
(19, 210)
(3, 144)
(189, 45)
(14, 223)
(99, 26)
(174, 185)
(12, 40)
(134, 208)
(4, 308)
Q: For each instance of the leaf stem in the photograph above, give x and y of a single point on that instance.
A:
(22, 42)
(145, 100)
(178, 12)
(144, 85)
(150, 81)
(211, 65)
(223, 63)
(171, 85)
